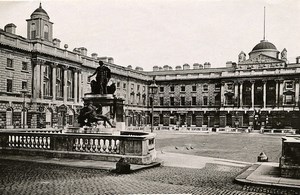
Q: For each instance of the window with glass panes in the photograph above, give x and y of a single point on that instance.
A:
(161, 101)
(182, 88)
(172, 88)
(172, 101)
(47, 81)
(194, 88)
(205, 100)
(194, 100)
(24, 85)
(59, 82)
(9, 85)
(25, 66)
(70, 84)
(182, 101)
(9, 63)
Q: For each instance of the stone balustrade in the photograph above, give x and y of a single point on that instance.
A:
(135, 147)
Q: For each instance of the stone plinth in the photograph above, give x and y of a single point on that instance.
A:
(290, 158)
(109, 103)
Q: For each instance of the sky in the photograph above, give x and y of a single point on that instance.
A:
(149, 33)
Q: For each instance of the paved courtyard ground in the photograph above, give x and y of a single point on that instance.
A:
(32, 178)
(239, 146)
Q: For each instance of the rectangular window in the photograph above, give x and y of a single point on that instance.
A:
(138, 87)
(288, 99)
(118, 84)
(161, 89)
(182, 88)
(172, 101)
(24, 85)
(161, 101)
(205, 100)
(194, 101)
(9, 85)
(194, 88)
(132, 87)
(172, 88)
(24, 66)
(33, 34)
(217, 87)
(182, 101)
(205, 88)
(9, 63)
(124, 85)
(289, 85)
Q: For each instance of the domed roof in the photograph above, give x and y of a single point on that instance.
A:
(264, 44)
(39, 13)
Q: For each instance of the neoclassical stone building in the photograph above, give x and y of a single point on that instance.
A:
(261, 90)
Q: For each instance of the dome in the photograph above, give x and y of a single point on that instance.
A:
(264, 44)
(40, 13)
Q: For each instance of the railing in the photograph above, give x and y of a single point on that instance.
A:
(280, 131)
(137, 147)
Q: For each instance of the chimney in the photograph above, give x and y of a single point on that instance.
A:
(178, 68)
(110, 60)
(229, 64)
(196, 66)
(161, 69)
(170, 68)
(129, 67)
(186, 67)
(155, 68)
(94, 55)
(56, 42)
(10, 28)
(139, 68)
(166, 67)
(298, 60)
(207, 65)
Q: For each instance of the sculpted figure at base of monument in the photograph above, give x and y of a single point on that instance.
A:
(90, 114)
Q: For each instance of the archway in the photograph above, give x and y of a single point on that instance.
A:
(9, 118)
(48, 117)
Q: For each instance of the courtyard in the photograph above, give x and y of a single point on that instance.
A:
(17, 177)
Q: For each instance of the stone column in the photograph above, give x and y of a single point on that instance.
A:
(222, 93)
(75, 86)
(37, 79)
(281, 93)
(79, 86)
(252, 93)
(54, 66)
(236, 91)
(65, 90)
(277, 81)
(296, 92)
(42, 80)
(265, 93)
(241, 94)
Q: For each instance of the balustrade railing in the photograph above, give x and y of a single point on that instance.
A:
(29, 141)
(138, 146)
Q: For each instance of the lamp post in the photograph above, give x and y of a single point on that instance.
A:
(153, 90)
(24, 91)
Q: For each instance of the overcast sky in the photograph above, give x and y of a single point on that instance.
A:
(146, 33)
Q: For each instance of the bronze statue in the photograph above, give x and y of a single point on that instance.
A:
(90, 114)
(103, 75)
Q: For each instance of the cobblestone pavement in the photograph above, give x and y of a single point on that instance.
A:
(32, 178)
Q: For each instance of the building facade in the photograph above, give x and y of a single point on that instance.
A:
(43, 85)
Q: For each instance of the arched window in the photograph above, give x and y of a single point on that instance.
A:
(9, 118)
(33, 30)
(46, 32)
(24, 117)
(48, 118)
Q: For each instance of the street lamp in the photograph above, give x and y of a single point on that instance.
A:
(153, 90)
(24, 91)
